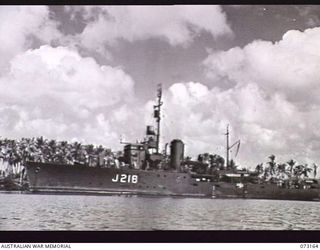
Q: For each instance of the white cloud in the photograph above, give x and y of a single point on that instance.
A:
(178, 25)
(290, 66)
(20, 26)
(59, 94)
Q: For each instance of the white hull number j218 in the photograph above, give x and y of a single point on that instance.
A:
(125, 178)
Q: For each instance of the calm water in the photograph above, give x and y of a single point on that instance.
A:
(67, 212)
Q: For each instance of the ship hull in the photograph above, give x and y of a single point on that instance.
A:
(265, 191)
(81, 179)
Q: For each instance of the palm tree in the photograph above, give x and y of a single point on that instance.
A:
(64, 144)
(52, 143)
(272, 164)
(89, 153)
(266, 173)
(76, 150)
(40, 142)
(232, 165)
(282, 167)
(216, 161)
(259, 168)
(291, 164)
(100, 149)
(52, 149)
(306, 170)
(298, 170)
(90, 148)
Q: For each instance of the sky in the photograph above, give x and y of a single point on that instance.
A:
(90, 73)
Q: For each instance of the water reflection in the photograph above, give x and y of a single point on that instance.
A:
(66, 212)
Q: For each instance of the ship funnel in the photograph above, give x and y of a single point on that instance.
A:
(176, 153)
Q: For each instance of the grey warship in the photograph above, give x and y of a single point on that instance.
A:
(146, 171)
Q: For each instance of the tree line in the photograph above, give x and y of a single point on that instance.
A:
(289, 169)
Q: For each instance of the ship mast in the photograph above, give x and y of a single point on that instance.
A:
(227, 157)
(157, 115)
(230, 147)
